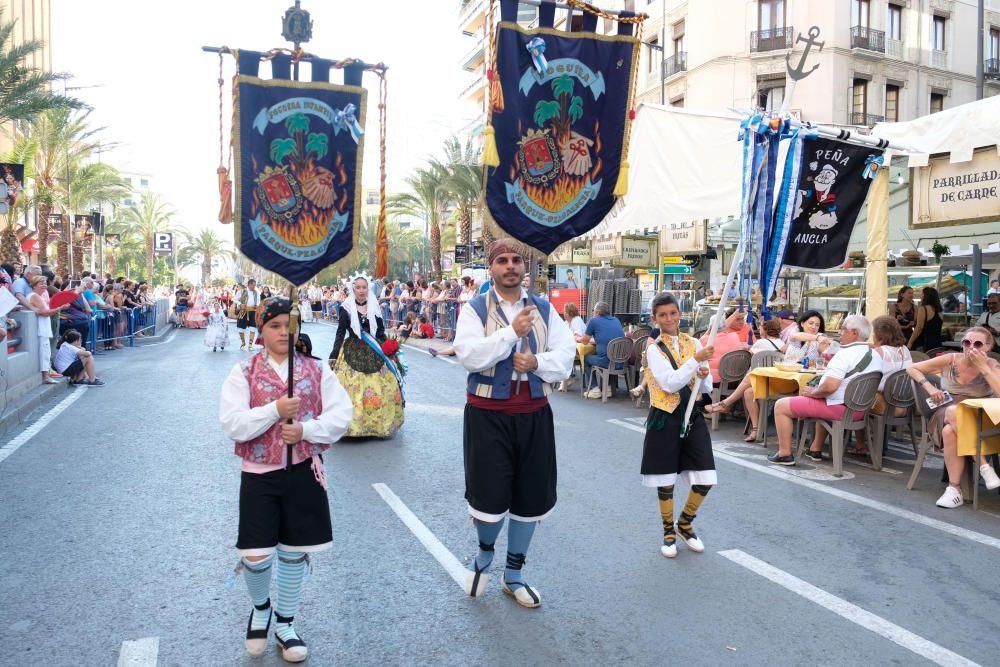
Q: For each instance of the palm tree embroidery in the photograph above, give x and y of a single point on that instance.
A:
(562, 112)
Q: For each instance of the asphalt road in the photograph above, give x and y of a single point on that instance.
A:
(118, 519)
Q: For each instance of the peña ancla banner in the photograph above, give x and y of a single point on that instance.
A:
(298, 148)
(831, 191)
(560, 117)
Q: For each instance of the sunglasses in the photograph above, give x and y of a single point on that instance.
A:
(977, 344)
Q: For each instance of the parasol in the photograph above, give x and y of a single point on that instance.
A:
(62, 298)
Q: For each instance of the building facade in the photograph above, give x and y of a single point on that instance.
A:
(889, 60)
(32, 22)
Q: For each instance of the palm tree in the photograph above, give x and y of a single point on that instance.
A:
(425, 201)
(54, 140)
(203, 249)
(463, 183)
(25, 92)
(93, 185)
(151, 216)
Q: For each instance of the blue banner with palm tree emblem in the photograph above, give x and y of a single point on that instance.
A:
(560, 113)
(298, 148)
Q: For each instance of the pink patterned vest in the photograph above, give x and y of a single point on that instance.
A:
(265, 387)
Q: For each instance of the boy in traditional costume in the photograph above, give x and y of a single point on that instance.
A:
(514, 346)
(676, 366)
(284, 511)
(249, 304)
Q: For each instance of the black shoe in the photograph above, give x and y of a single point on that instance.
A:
(814, 456)
(256, 641)
(780, 460)
(293, 649)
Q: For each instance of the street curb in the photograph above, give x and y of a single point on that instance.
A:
(19, 409)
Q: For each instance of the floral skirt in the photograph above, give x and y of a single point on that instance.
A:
(378, 403)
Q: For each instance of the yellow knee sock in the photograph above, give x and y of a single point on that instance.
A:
(695, 497)
(666, 497)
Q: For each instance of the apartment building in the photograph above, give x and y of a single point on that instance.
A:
(881, 60)
(32, 22)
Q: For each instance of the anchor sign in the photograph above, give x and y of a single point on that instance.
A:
(799, 72)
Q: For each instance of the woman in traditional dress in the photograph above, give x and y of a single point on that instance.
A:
(195, 316)
(217, 333)
(372, 380)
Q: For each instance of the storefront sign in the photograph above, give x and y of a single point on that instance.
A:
(683, 238)
(582, 255)
(943, 193)
(627, 251)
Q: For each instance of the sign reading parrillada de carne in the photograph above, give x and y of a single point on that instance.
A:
(943, 193)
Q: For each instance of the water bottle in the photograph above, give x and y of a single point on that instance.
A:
(805, 363)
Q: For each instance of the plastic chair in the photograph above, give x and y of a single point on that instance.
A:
(859, 396)
(925, 412)
(733, 367)
(933, 352)
(619, 351)
(764, 359)
(897, 393)
(640, 350)
(917, 355)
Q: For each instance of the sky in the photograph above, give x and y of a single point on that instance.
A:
(139, 64)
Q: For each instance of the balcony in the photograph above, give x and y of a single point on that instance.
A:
(471, 16)
(939, 59)
(991, 69)
(675, 63)
(867, 39)
(865, 119)
(776, 39)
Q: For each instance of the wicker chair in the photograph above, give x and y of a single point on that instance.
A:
(897, 393)
(619, 351)
(733, 367)
(859, 395)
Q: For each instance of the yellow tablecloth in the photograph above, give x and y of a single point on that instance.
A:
(583, 349)
(968, 415)
(769, 381)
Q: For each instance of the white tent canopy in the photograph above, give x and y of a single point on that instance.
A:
(684, 165)
(958, 131)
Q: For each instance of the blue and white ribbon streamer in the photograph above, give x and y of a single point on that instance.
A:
(536, 47)
(344, 119)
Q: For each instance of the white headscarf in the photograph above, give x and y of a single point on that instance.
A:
(351, 306)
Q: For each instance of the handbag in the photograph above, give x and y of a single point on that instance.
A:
(865, 360)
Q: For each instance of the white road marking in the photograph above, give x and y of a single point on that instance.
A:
(851, 612)
(439, 357)
(43, 421)
(166, 340)
(440, 552)
(785, 474)
(437, 410)
(139, 653)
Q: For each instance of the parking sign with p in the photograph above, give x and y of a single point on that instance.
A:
(163, 243)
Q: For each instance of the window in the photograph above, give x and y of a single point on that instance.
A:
(993, 47)
(892, 103)
(678, 37)
(937, 102)
(770, 14)
(371, 197)
(861, 12)
(652, 54)
(859, 99)
(893, 22)
(770, 96)
(937, 33)
(144, 183)
(679, 103)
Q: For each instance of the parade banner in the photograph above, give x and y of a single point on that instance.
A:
(11, 185)
(560, 116)
(832, 188)
(298, 148)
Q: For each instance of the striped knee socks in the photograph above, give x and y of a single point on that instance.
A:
(695, 498)
(291, 571)
(257, 575)
(665, 494)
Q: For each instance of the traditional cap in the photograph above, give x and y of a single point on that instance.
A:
(304, 345)
(271, 308)
(502, 246)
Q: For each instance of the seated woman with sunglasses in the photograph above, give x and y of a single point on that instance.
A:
(969, 374)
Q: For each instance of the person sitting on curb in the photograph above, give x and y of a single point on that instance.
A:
(826, 401)
(75, 363)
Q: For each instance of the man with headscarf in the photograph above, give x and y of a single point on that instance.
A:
(249, 303)
(514, 345)
(284, 510)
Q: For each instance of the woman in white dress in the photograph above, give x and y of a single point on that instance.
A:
(217, 333)
(39, 302)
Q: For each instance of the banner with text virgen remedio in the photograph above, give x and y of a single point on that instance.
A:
(298, 148)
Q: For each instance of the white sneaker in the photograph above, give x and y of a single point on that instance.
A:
(951, 498)
(989, 476)
(669, 551)
(693, 543)
(594, 393)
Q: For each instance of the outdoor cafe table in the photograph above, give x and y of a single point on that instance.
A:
(770, 381)
(582, 350)
(978, 421)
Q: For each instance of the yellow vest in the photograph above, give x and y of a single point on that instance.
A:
(659, 398)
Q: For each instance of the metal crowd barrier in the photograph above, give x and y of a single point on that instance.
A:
(108, 326)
